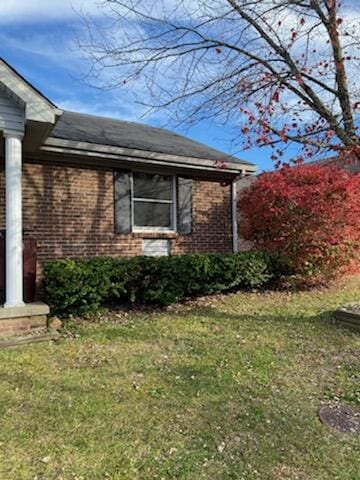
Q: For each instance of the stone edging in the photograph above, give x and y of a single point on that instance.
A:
(348, 318)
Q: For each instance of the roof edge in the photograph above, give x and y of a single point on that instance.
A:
(91, 148)
(22, 78)
(37, 106)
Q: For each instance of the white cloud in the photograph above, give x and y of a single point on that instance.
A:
(109, 107)
(40, 11)
(119, 104)
(41, 44)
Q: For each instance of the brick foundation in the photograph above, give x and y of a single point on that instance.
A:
(21, 325)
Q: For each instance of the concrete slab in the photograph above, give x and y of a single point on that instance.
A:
(28, 310)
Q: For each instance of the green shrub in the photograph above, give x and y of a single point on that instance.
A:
(85, 285)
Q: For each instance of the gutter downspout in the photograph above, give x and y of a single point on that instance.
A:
(234, 214)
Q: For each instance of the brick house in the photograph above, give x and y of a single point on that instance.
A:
(83, 186)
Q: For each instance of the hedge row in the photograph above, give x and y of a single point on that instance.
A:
(84, 286)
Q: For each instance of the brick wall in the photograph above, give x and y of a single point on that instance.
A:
(70, 211)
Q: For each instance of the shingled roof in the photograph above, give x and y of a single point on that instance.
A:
(81, 127)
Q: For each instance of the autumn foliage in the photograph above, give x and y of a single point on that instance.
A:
(309, 216)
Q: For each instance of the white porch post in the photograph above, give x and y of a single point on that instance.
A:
(14, 240)
(234, 216)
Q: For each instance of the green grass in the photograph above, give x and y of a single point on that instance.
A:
(223, 388)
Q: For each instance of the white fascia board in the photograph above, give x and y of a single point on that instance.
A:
(37, 107)
(85, 148)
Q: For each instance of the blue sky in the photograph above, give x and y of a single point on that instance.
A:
(37, 38)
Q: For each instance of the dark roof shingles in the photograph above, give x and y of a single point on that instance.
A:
(106, 131)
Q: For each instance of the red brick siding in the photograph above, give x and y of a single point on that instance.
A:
(70, 211)
(14, 326)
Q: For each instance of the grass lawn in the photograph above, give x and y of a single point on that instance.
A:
(224, 388)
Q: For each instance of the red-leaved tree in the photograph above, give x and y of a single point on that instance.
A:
(309, 215)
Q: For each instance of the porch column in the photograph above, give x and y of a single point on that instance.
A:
(14, 240)
(234, 216)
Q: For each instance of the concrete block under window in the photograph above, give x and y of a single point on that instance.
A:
(156, 248)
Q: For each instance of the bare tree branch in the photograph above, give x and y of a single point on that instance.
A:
(283, 70)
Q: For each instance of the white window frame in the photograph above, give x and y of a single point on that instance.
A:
(173, 202)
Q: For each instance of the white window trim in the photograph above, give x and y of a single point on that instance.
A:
(173, 202)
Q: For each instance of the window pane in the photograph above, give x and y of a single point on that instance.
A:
(154, 187)
(152, 214)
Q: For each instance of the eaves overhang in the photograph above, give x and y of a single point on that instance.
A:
(104, 155)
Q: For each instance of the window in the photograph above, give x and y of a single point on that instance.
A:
(153, 202)
(144, 202)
